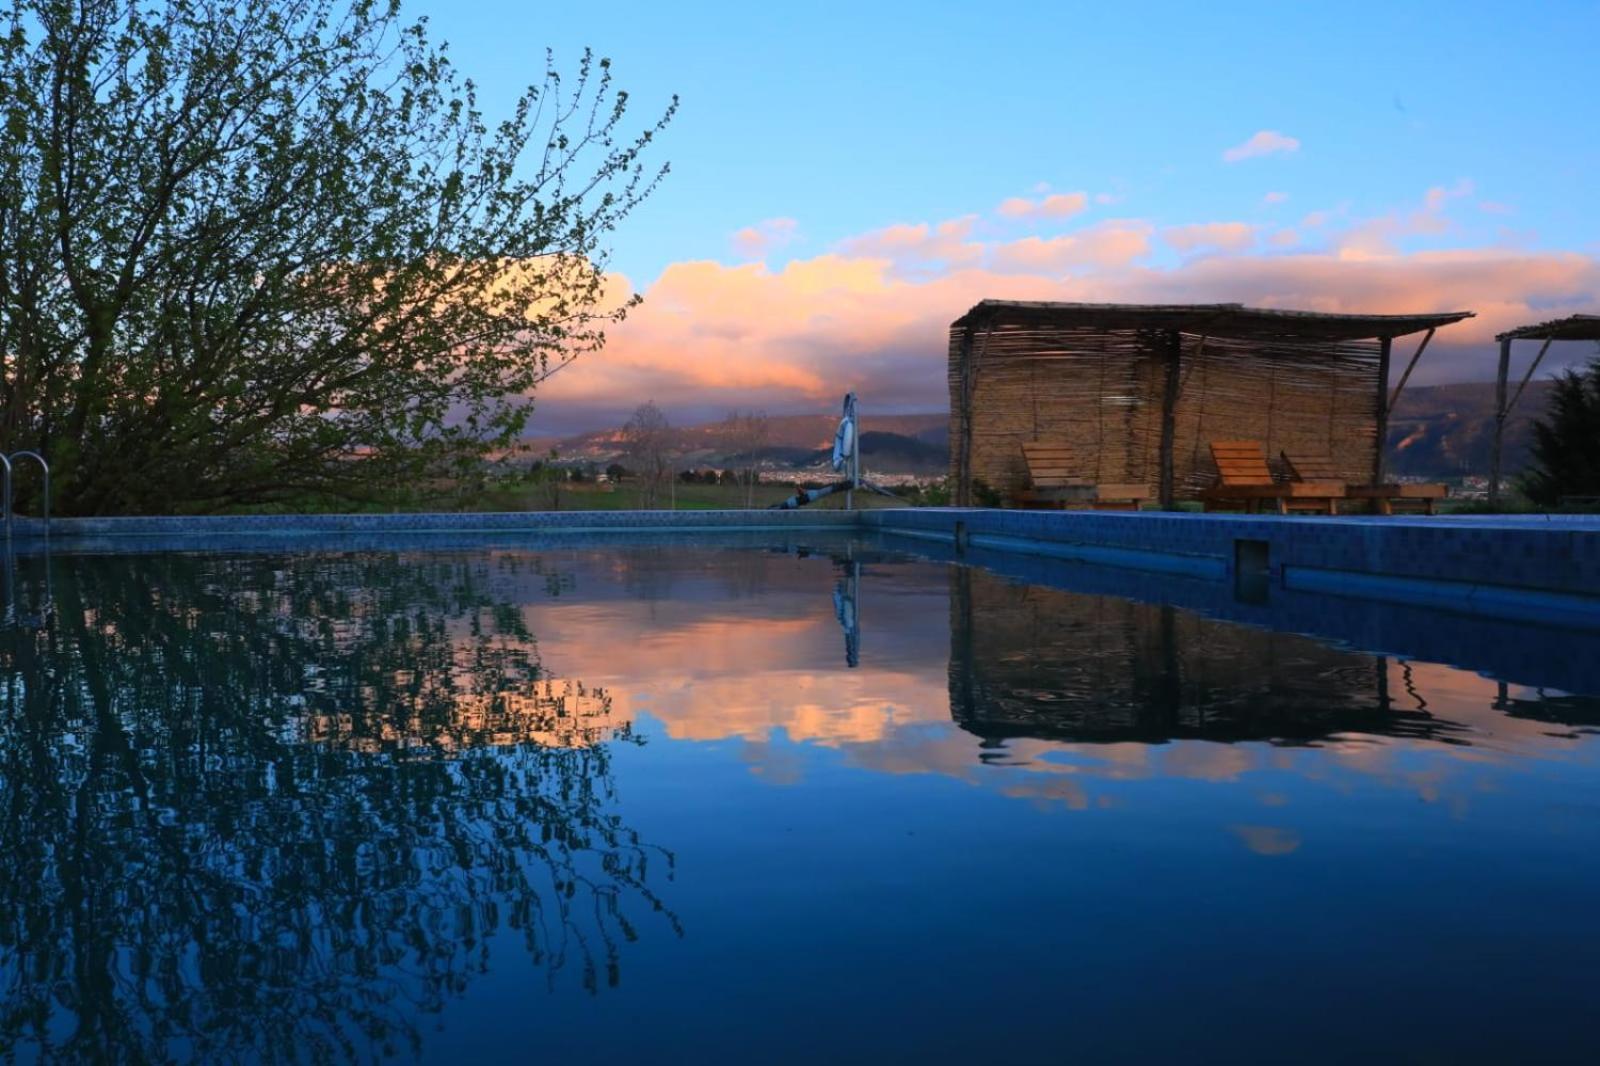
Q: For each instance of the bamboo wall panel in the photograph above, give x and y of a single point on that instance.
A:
(1099, 391)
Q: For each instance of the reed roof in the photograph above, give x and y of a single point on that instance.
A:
(1223, 320)
(1571, 328)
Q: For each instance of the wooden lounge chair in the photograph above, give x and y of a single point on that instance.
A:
(1386, 498)
(1244, 479)
(1050, 471)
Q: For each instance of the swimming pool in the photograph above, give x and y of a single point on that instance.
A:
(780, 798)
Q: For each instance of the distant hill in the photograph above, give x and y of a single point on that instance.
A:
(1447, 431)
(792, 440)
(893, 453)
(1436, 431)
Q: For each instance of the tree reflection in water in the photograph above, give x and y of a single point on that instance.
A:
(277, 808)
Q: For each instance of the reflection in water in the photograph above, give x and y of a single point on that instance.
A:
(267, 810)
(845, 596)
(1028, 661)
(319, 805)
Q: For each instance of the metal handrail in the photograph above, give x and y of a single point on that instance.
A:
(45, 467)
(6, 493)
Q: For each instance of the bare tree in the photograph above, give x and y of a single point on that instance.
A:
(744, 434)
(647, 438)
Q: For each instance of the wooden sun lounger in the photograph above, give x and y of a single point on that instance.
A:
(1244, 479)
(1386, 498)
(1050, 470)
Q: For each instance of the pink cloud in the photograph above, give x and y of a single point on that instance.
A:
(909, 245)
(1226, 236)
(1058, 205)
(1494, 207)
(1275, 198)
(1109, 244)
(755, 242)
(712, 336)
(1262, 142)
(1376, 236)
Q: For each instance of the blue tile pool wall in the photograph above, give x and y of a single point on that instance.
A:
(1556, 658)
(1535, 569)
(1554, 557)
(569, 522)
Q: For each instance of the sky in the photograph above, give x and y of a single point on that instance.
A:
(846, 179)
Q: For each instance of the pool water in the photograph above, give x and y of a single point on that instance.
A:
(660, 803)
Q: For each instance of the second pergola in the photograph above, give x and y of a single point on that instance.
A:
(1571, 328)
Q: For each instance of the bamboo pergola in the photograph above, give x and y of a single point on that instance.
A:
(1137, 391)
(1571, 328)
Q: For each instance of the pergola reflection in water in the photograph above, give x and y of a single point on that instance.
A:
(1045, 663)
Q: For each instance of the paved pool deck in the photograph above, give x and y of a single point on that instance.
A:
(1543, 569)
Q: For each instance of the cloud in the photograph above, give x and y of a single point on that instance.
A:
(1226, 236)
(1377, 236)
(1275, 198)
(872, 314)
(1434, 199)
(1495, 207)
(1262, 142)
(1110, 244)
(1267, 839)
(918, 245)
(766, 236)
(1059, 205)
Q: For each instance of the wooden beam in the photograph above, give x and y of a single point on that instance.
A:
(1545, 347)
(1394, 397)
(1385, 348)
(1169, 416)
(1500, 410)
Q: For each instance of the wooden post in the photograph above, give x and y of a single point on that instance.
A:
(1169, 418)
(1385, 346)
(1499, 420)
(963, 452)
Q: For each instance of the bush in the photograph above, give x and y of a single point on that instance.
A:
(1566, 442)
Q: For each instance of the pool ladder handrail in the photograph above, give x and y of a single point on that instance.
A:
(6, 469)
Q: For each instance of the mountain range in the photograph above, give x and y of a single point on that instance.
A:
(1435, 431)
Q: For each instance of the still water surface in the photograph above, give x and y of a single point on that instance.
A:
(671, 804)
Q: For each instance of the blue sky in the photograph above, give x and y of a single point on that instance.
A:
(847, 119)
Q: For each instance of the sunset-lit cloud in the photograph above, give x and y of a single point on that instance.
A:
(1058, 205)
(1377, 236)
(1262, 142)
(1275, 198)
(1227, 236)
(765, 237)
(872, 313)
(1110, 244)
